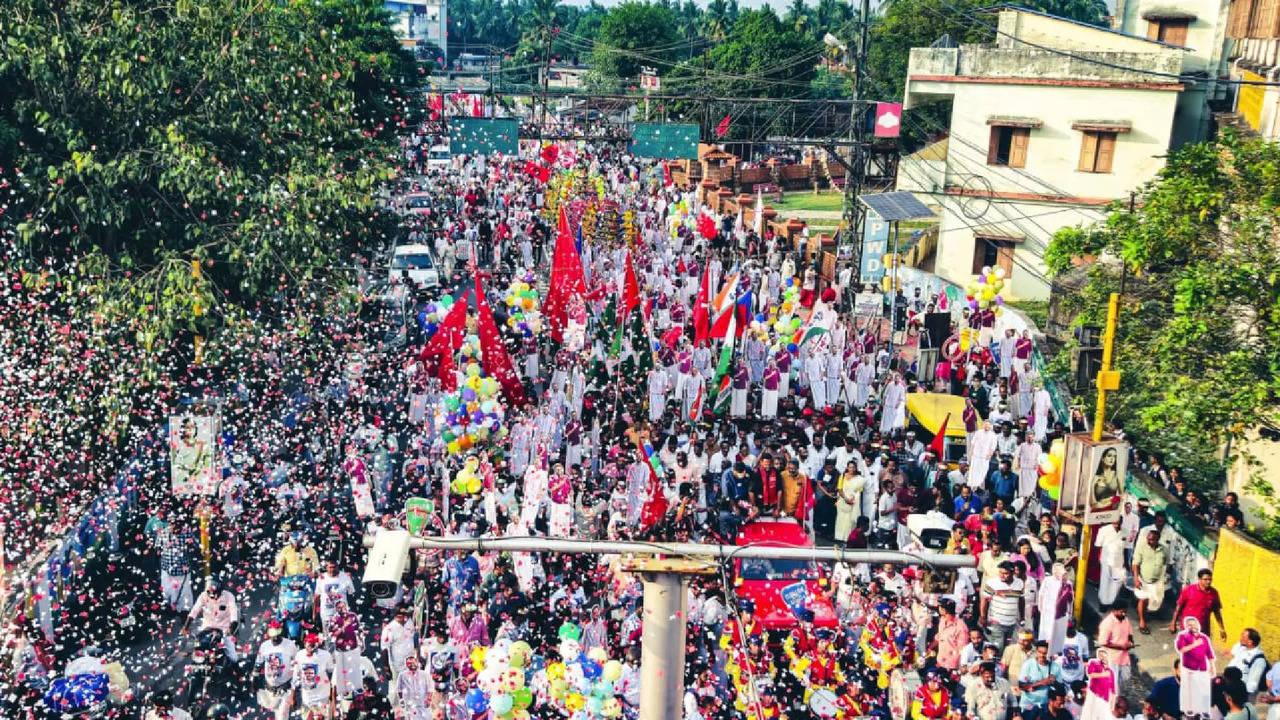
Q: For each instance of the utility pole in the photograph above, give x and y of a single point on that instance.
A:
(665, 569)
(854, 215)
(546, 80)
(1108, 380)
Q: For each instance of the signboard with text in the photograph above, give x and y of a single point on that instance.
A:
(875, 243)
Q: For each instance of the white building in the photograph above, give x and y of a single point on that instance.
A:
(1200, 27)
(418, 22)
(1049, 125)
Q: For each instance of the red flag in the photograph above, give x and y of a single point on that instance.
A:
(494, 358)
(447, 374)
(567, 280)
(477, 107)
(446, 341)
(655, 501)
(630, 290)
(666, 175)
(723, 127)
(936, 445)
(702, 318)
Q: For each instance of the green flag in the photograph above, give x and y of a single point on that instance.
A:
(726, 360)
(640, 343)
(607, 327)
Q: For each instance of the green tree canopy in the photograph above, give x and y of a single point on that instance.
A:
(190, 159)
(1199, 337)
(634, 35)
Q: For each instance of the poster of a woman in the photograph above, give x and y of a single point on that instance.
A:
(1105, 484)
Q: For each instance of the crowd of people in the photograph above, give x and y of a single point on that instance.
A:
(652, 410)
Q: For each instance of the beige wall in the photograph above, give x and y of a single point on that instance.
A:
(1053, 152)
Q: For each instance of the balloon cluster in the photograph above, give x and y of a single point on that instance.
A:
(467, 481)
(984, 291)
(523, 303)
(433, 313)
(500, 680)
(583, 684)
(781, 318)
(473, 415)
(1050, 467)
(680, 217)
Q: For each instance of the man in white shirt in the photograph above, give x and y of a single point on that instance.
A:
(1248, 658)
(331, 587)
(275, 660)
(397, 641)
(217, 609)
(312, 668)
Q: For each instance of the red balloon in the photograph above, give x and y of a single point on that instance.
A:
(550, 153)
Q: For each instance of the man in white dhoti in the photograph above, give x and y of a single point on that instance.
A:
(981, 447)
(833, 373)
(893, 403)
(815, 371)
(1026, 463)
(862, 378)
(657, 394)
(1005, 346)
(1040, 404)
(1111, 572)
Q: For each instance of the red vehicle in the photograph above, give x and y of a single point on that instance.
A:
(764, 581)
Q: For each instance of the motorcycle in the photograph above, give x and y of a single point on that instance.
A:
(297, 593)
(208, 672)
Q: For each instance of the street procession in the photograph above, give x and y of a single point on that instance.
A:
(553, 419)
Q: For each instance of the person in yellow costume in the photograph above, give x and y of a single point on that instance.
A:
(747, 666)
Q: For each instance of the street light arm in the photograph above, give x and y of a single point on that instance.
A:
(691, 550)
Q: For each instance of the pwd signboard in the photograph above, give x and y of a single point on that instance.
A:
(483, 136)
(875, 243)
(668, 141)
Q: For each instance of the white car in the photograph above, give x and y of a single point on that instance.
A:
(439, 156)
(416, 262)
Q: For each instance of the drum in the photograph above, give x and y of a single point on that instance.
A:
(823, 703)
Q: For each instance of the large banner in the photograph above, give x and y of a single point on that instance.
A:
(193, 446)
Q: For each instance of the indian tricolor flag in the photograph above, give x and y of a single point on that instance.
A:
(821, 318)
(722, 307)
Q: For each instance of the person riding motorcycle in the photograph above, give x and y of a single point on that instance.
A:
(297, 558)
(217, 609)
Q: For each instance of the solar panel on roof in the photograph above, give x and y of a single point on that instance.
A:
(895, 206)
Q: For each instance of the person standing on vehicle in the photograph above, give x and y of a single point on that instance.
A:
(297, 558)
(217, 609)
(275, 659)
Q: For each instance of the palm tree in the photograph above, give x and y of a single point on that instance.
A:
(798, 15)
(716, 20)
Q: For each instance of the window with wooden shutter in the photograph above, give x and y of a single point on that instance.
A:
(1008, 146)
(1097, 151)
(1168, 30)
(993, 252)
(1018, 147)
